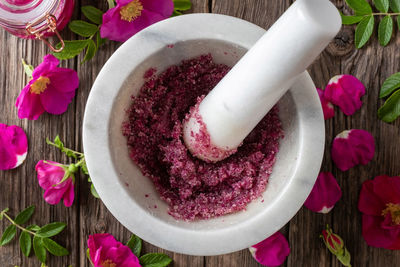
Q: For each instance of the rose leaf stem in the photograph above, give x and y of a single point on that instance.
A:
(17, 225)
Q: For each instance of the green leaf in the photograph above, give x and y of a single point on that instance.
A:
(364, 31)
(100, 41)
(25, 215)
(182, 5)
(83, 28)
(84, 168)
(155, 260)
(33, 227)
(54, 248)
(176, 13)
(93, 191)
(348, 20)
(28, 69)
(90, 51)
(390, 84)
(8, 235)
(382, 5)
(360, 7)
(51, 229)
(394, 5)
(398, 22)
(390, 111)
(95, 15)
(385, 30)
(71, 49)
(39, 249)
(58, 142)
(25, 243)
(135, 244)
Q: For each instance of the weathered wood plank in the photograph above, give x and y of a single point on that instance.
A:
(19, 187)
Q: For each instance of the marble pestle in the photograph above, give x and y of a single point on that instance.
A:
(219, 124)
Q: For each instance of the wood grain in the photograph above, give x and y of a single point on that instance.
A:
(19, 188)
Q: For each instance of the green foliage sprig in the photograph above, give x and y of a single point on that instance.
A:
(364, 17)
(33, 236)
(390, 111)
(80, 163)
(90, 30)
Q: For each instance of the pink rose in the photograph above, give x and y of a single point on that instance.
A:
(51, 89)
(104, 250)
(131, 16)
(380, 204)
(57, 181)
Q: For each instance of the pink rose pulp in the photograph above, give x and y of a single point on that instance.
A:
(195, 189)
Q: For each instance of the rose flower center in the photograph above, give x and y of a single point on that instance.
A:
(394, 210)
(131, 11)
(40, 85)
(108, 263)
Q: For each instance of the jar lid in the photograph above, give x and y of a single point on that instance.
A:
(18, 13)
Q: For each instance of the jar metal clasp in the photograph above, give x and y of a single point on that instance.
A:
(51, 25)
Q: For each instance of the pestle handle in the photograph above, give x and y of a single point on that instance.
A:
(264, 74)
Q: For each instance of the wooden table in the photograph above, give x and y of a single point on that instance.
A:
(19, 188)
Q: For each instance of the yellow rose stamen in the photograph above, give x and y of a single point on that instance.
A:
(40, 85)
(108, 263)
(131, 11)
(394, 210)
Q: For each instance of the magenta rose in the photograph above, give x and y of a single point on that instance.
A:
(131, 16)
(51, 89)
(104, 250)
(57, 181)
(13, 146)
(380, 204)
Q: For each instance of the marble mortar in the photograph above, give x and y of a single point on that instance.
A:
(123, 188)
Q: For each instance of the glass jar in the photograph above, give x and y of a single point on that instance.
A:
(36, 19)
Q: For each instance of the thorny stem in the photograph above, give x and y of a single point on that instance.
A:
(17, 225)
(67, 149)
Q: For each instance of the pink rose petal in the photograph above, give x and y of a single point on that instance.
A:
(327, 107)
(272, 251)
(351, 148)
(345, 91)
(324, 195)
(13, 146)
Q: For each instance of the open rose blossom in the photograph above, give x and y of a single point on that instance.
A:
(57, 181)
(380, 204)
(131, 16)
(327, 107)
(345, 91)
(272, 251)
(324, 195)
(104, 251)
(352, 147)
(13, 146)
(51, 89)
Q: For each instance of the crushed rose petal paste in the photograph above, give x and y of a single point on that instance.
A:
(195, 189)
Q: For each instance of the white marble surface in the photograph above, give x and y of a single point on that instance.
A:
(111, 169)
